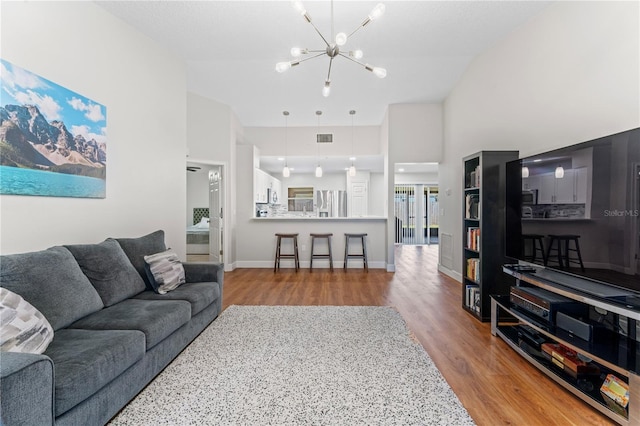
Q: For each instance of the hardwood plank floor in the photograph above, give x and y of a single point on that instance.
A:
(494, 383)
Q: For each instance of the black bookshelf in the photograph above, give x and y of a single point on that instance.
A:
(483, 219)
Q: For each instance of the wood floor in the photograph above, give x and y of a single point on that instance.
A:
(494, 383)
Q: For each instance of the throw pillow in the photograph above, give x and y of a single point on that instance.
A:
(137, 248)
(22, 327)
(165, 271)
(109, 270)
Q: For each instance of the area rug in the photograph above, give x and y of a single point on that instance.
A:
(300, 365)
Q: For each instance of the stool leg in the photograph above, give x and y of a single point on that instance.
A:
(330, 255)
(313, 239)
(346, 251)
(295, 252)
(276, 262)
(579, 256)
(364, 254)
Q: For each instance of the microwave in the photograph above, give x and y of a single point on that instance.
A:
(530, 197)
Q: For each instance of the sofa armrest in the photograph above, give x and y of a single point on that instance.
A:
(27, 389)
(204, 272)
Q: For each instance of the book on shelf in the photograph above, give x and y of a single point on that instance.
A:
(472, 206)
(473, 180)
(473, 269)
(473, 238)
(472, 297)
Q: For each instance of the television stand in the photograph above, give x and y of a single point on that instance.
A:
(611, 352)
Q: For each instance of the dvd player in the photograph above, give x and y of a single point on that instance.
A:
(544, 304)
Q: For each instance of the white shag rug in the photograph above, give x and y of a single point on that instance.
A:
(300, 365)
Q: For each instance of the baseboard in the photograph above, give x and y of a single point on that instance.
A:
(453, 274)
(304, 264)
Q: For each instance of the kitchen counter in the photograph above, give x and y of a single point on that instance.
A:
(316, 218)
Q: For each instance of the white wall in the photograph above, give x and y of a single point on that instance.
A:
(416, 178)
(415, 133)
(213, 131)
(83, 48)
(301, 141)
(568, 75)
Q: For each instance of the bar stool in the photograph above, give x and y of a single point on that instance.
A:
(362, 255)
(322, 255)
(280, 255)
(564, 259)
(537, 245)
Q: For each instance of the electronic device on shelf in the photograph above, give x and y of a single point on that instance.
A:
(544, 304)
(574, 204)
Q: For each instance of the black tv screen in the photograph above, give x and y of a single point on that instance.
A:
(584, 198)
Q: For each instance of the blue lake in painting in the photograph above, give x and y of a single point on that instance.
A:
(19, 181)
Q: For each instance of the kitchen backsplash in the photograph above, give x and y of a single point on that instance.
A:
(554, 211)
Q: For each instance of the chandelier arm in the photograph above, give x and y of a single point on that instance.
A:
(319, 33)
(356, 30)
(311, 57)
(352, 60)
(329, 73)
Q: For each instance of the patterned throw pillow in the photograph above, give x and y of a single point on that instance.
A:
(22, 327)
(164, 270)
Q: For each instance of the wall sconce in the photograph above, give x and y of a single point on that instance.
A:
(559, 172)
(525, 172)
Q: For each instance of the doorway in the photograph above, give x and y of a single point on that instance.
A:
(416, 214)
(205, 218)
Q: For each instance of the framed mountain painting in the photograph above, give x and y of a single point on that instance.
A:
(52, 140)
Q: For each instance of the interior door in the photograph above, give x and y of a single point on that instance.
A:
(215, 215)
(359, 198)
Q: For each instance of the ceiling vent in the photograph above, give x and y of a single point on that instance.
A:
(324, 138)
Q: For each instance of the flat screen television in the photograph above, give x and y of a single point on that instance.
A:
(585, 197)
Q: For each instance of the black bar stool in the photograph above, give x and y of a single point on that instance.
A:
(280, 255)
(322, 255)
(362, 255)
(562, 250)
(537, 245)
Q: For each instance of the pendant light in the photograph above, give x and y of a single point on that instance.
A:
(318, 168)
(285, 171)
(559, 172)
(352, 169)
(525, 172)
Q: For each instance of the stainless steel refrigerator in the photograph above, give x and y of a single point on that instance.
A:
(331, 203)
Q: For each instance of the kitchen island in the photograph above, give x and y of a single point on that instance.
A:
(260, 253)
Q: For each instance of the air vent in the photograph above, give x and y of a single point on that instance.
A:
(324, 138)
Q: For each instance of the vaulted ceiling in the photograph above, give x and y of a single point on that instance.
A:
(231, 47)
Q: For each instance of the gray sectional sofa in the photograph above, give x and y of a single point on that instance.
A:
(112, 333)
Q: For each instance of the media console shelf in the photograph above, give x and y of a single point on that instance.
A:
(614, 351)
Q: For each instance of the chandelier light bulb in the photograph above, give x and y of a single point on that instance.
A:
(318, 171)
(352, 170)
(341, 39)
(285, 171)
(357, 54)
(326, 90)
(377, 12)
(296, 52)
(283, 66)
(297, 5)
(525, 172)
(380, 72)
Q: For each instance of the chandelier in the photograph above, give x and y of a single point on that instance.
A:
(332, 49)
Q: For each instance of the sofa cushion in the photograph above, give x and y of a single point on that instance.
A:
(22, 327)
(155, 318)
(200, 295)
(52, 282)
(137, 248)
(86, 360)
(109, 270)
(164, 270)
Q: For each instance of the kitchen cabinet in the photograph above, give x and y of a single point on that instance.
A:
(531, 183)
(570, 189)
(262, 183)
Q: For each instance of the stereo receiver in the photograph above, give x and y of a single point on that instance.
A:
(544, 304)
